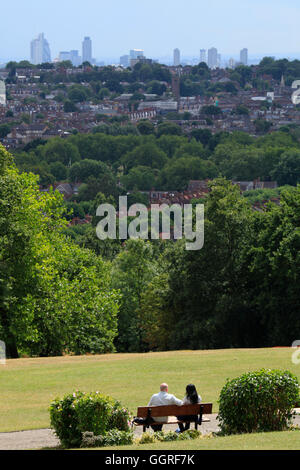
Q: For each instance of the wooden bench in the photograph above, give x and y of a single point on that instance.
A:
(148, 412)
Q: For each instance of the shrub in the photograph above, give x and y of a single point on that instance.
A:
(111, 438)
(79, 412)
(161, 436)
(258, 401)
(147, 438)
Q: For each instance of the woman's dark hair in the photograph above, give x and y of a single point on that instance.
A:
(191, 393)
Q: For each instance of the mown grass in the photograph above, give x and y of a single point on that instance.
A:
(285, 440)
(27, 386)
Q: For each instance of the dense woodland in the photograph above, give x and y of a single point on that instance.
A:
(62, 290)
(161, 158)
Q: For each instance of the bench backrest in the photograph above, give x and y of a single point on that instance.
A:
(174, 410)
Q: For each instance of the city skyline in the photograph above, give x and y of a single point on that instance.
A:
(134, 26)
(40, 51)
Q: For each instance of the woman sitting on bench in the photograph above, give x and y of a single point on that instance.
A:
(191, 398)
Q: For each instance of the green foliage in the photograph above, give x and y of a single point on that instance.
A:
(4, 130)
(258, 401)
(70, 107)
(168, 128)
(54, 296)
(161, 436)
(287, 171)
(78, 413)
(132, 269)
(111, 438)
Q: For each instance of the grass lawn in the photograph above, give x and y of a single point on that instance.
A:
(27, 386)
(286, 440)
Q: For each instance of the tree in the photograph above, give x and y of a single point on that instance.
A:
(262, 126)
(202, 135)
(60, 150)
(287, 171)
(4, 130)
(176, 173)
(25, 216)
(145, 127)
(168, 128)
(70, 107)
(206, 296)
(58, 170)
(81, 171)
(132, 270)
(147, 154)
(54, 296)
(78, 93)
(140, 177)
(274, 264)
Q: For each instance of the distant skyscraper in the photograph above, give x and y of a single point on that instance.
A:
(2, 93)
(72, 56)
(203, 55)
(212, 58)
(75, 58)
(40, 50)
(136, 53)
(231, 63)
(244, 56)
(125, 61)
(176, 57)
(64, 55)
(219, 60)
(87, 50)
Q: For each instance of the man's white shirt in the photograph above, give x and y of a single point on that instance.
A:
(163, 398)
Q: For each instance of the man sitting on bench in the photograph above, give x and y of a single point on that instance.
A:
(159, 399)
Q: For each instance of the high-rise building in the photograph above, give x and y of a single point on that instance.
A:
(40, 50)
(125, 61)
(2, 93)
(72, 56)
(244, 56)
(176, 57)
(136, 53)
(203, 55)
(219, 60)
(231, 63)
(87, 50)
(212, 58)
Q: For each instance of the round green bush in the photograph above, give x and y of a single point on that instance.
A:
(258, 401)
(80, 412)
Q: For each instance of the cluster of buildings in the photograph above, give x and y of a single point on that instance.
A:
(46, 117)
(40, 52)
(212, 58)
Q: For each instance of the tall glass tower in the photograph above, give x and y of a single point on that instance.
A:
(40, 50)
(176, 57)
(87, 50)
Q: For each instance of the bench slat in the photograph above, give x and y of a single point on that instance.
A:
(174, 410)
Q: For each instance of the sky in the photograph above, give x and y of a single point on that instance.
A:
(157, 26)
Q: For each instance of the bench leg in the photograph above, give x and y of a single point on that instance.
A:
(144, 428)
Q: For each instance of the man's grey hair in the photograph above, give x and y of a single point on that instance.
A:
(163, 387)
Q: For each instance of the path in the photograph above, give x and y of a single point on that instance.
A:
(45, 438)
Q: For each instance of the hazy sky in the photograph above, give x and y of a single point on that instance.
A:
(157, 26)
